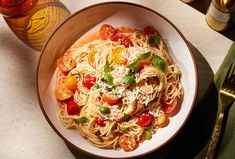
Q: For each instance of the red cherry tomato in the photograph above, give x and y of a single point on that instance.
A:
(73, 108)
(122, 40)
(89, 81)
(107, 31)
(145, 119)
(169, 108)
(66, 63)
(110, 100)
(100, 121)
(149, 30)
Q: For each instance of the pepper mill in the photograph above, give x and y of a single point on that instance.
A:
(220, 15)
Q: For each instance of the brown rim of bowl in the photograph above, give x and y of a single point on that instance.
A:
(148, 9)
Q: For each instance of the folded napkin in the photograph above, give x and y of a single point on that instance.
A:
(227, 147)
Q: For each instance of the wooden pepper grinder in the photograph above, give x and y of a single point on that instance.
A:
(220, 15)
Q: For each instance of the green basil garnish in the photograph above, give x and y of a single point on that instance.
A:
(126, 117)
(134, 65)
(105, 110)
(159, 63)
(97, 86)
(153, 40)
(107, 75)
(82, 119)
(100, 138)
(108, 78)
(106, 67)
(148, 134)
(122, 128)
(128, 79)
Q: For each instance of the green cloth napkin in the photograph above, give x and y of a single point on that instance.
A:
(227, 147)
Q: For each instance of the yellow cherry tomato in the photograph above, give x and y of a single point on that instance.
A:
(117, 54)
(62, 92)
(71, 83)
(160, 120)
(91, 58)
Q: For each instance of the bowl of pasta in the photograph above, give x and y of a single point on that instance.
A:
(118, 84)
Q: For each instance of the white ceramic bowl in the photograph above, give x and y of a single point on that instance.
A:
(131, 15)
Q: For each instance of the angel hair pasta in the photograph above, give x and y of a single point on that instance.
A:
(118, 88)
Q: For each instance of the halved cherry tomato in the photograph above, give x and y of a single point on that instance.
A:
(149, 30)
(107, 31)
(66, 63)
(62, 92)
(117, 54)
(127, 143)
(91, 58)
(100, 121)
(110, 100)
(73, 108)
(169, 107)
(160, 120)
(122, 40)
(145, 119)
(71, 83)
(89, 81)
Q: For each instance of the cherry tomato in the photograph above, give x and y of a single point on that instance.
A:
(145, 119)
(127, 143)
(89, 81)
(117, 54)
(169, 108)
(122, 40)
(107, 31)
(71, 83)
(100, 121)
(110, 100)
(149, 30)
(91, 58)
(66, 63)
(62, 92)
(160, 120)
(73, 108)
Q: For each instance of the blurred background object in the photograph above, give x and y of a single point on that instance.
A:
(32, 21)
(221, 14)
(16, 7)
(188, 1)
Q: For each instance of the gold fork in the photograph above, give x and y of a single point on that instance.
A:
(227, 95)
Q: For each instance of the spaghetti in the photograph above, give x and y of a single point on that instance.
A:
(118, 89)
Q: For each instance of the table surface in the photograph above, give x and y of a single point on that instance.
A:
(24, 132)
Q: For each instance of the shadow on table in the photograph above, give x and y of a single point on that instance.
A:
(202, 6)
(197, 130)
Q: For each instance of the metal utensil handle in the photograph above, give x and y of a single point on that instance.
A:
(215, 137)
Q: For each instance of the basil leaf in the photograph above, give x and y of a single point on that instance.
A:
(134, 65)
(126, 117)
(122, 128)
(105, 110)
(148, 135)
(100, 138)
(114, 89)
(82, 119)
(159, 63)
(153, 40)
(128, 79)
(108, 78)
(106, 67)
(97, 86)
